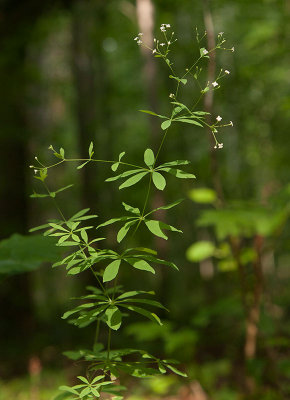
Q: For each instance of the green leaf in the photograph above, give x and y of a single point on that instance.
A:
(203, 195)
(158, 180)
(189, 121)
(77, 309)
(148, 314)
(84, 392)
(64, 188)
(176, 371)
(154, 227)
(140, 264)
(91, 149)
(183, 81)
(132, 294)
(200, 251)
(178, 173)
(84, 235)
(68, 389)
(82, 165)
(166, 124)
(83, 379)
(166, 207)
(152, 113)
(149, 158)
(113, 317)
(131, 209)
(124, 230)
(111, 271)
(133, 180)
(124, 174)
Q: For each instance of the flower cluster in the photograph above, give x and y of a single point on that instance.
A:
(139, 38)
(163, 27)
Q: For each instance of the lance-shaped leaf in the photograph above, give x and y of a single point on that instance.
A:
(178, 173)
(113, 317)
(133, 180)
(157, 260)
(152, 113)
(111, 271)
(154, 227)
(133, 293)
(140, 264)
(158, 180)
(149, 158)
(124, 230)
(148, 314)
(153, 303)
(188, 121)
(166, 124)
(113, 220)
(115, 166)
(124, 174)
(173, 163)
(77, 309)
(131, 209)
(166, 207)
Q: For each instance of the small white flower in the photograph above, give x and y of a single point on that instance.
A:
(204, 51)
(231, 123)
(218, 118)
(167, 25)
(35, 171)
(36, 158)
(214, 84)
(171, 96)
(162, 28)
(233, 49)
(227, 72)
(215, 147)
(162, 44)
(221, 33)
(154, 40)
(140, 34)
(50, 147)
(169, 43)
(220, 145)
(139, 42)
(136, 38)
(31, 166)
(154, 51)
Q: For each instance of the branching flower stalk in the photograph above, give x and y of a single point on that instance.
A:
(108, 302)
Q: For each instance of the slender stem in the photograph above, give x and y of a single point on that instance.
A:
(97, 331)
(109, 344)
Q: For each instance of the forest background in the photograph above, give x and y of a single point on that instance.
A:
(72, 73)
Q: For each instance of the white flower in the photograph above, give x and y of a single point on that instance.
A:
(139, 42)
(154, 51)
(167, 25)
(154, 40)
(218, 118)
(136, 38)
(140, 34)
(231, 123)
(31, 166)
(162, 28)
(36, 158)
(220, 145)
(227, 72)
(35, 171)
(171, 96)
(204, 51)
(214, 84)
(233, 49)
(221, 33)
(162, 44)
(169, 43)
(215, 147)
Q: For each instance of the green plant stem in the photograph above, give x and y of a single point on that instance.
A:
(97, 331)
(109, 344)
